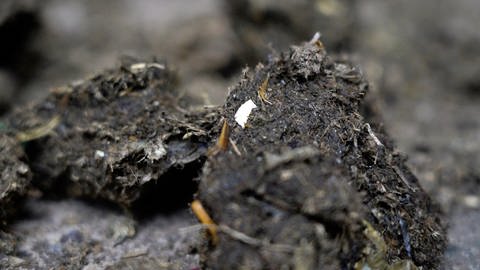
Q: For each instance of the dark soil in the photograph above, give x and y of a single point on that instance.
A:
(118, 132)
(421, 63)
(15, 176)
(308, 159)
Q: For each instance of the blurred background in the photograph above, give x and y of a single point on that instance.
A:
(422, 59)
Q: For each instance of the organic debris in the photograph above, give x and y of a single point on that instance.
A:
(262, 90)
(223, 140)
(376, 254)
(110, 135)
(312, 171)
(205, 219)
(37, 132)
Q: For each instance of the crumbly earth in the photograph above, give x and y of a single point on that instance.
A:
(420, 58)
(119, 131)
(307, 137)
(15, 176)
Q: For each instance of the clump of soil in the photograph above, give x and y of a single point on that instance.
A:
(15, 176)
(118, 133)
(296, 184)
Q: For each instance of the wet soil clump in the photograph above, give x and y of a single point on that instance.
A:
(15, 176)
(115, 133)
(307, 173)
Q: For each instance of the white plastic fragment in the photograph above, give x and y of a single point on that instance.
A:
(99, 154)
(315, 38)
(375, 139)
(141, 66)
(242, 114)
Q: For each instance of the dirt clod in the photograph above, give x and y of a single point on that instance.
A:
(15, 176)
(118, 131)
(261, 26)
(311, 171)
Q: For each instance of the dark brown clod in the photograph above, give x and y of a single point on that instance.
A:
(118, 131)
(15, 176)
(311, 171)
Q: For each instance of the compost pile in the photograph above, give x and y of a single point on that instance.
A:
(306, 182)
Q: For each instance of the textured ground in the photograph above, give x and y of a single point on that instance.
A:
(421, 58)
